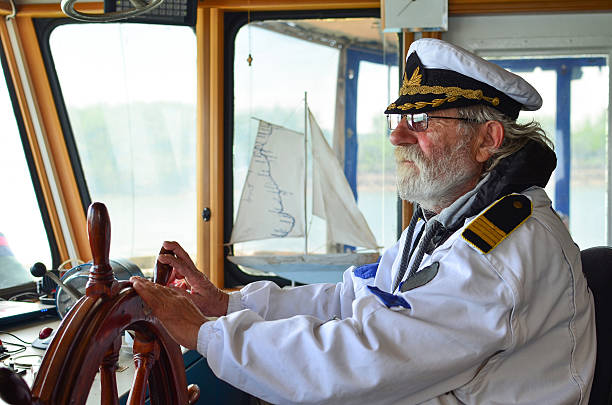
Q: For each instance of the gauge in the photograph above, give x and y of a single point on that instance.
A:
(78, 276)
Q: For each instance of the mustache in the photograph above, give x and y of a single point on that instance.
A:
(409, 152)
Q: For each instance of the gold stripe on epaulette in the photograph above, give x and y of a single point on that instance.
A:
(487, 231)
(484, 235)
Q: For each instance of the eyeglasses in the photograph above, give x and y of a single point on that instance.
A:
(417, 122)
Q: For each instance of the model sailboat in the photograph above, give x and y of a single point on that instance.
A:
(272, 205)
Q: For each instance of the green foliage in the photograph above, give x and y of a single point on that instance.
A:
(375, 151)
(151, 146)
(141, 148)
(588, 143)
(99, 163)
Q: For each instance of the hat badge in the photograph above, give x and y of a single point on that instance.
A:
(415, 80)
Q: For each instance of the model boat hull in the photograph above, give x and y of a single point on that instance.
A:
(312, 268)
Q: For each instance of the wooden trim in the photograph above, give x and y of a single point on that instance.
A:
(216, 147)
(455, 7)
(431, 34)
(32, 141)
(60, 160)
(460, 7)
(53, 10)
(273, 5)
(5, 8)
(209, 143)
(202, 139)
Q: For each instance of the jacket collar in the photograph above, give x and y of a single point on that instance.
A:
(531, 166)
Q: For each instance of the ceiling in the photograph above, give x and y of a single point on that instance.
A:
(363, 33)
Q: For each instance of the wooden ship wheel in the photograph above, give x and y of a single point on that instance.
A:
(89, 338)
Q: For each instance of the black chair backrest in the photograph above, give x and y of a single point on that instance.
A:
(597, 267)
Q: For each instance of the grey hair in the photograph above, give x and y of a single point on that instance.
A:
(515, 135)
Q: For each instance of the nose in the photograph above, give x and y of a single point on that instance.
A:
(403, 135)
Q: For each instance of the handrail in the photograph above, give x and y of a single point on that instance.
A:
(140, 7)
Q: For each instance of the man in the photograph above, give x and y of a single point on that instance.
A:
(481, 301)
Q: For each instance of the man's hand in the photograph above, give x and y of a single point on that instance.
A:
(179, 315)
(209, 299)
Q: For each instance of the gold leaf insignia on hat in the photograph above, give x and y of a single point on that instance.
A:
(451, 93)
(415, 80)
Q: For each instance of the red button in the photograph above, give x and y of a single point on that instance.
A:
(45, 333)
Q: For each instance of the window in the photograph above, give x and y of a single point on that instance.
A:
(346, 70)
(23, 239)
(574, 115)
(130, 94)
(566, 57)
(376, 162)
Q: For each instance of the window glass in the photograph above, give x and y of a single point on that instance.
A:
(575, 104)
(23, 239)
(589, 132)
(545, 82)
(130, 92)
(376, 185)
(339, 67)
(273, 89)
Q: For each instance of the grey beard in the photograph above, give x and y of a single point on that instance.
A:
(440, 180)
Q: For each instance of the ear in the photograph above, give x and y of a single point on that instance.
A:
(489, 138)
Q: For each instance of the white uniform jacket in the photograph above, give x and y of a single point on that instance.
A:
(512, 326)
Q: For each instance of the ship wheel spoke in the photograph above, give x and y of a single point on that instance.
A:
(89, 340)
(146, 353)
(108, 378)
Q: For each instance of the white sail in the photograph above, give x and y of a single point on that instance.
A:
(272, 200)
(332, 196)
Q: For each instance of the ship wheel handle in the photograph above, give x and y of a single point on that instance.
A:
(89, 340)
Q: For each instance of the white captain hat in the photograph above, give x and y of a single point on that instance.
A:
(439, 75)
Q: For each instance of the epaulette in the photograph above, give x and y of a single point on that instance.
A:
(497, 222)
